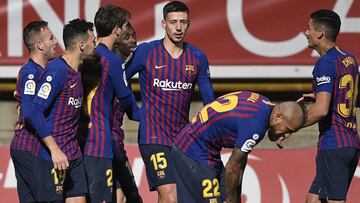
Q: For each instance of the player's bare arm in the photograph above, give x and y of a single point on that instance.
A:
(320, 108)
(234, 171)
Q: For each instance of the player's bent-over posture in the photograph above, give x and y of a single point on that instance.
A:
(237, 120)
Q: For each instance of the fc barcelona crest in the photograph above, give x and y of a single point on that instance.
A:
(161, 174)
(189, 69)
(59, 189)
(213, 200)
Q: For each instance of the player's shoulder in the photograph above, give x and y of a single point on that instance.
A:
(146, 46)
(195, 50)
(29, 67)
(105, 53)
(56, 66)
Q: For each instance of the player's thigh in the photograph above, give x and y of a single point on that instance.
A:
(24, 172)
(158, 164)
(335, 169)
(75, 183)
(196, 182)
(99, 175)
(123, 173)
(50, 182)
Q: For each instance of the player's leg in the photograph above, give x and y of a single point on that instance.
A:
(120, 196)
(336, 169)
(159, 171)
(313, 195)
(167, 193)
(99, 175)
(195, 182)
(75, 185)
(49, 181)
(125, 179)
(23, 165)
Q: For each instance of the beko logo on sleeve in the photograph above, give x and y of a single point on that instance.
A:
(322, 80)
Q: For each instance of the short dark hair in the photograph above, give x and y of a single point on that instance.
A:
(74, 29)
(329, 20)
(31, 30)
(108, 17)
(175, 6)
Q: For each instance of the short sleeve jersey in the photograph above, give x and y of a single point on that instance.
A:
(337, 73)
(166, 86)
(238, 119)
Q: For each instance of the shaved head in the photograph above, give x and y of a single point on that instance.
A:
(286, 118)
(294, 113)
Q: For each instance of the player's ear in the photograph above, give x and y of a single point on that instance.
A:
(320, 34)
(82, 46)
(163, 24)
(39, 46)
(117, 31)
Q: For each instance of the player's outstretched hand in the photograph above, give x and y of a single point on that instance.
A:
(59, 159)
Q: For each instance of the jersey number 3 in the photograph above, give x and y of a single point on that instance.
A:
(346, 108)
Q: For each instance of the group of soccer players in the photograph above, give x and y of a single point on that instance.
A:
(69, 142)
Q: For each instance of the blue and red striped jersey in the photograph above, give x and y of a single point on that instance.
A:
(337, 73)
(238, 119)
(25, 136)
(112, 83)
(57, 106)
(117, 116)
(166, 86)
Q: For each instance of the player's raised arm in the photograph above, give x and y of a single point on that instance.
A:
(234, 171)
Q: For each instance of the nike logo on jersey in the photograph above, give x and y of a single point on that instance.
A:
(73, 85)
(159, 67)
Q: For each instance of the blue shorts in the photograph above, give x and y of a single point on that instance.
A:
(99, 174)
(158, 164)
(124, 177)
(24, 171)
(54, 185)
(197, 182)
(334, 172)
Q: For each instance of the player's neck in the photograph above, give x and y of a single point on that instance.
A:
(107, 41)
(175, 50)
(39, 59)
(323, 49)
(72, 59)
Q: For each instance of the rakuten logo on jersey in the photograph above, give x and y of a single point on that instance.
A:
(76, 102)
(323, 80)
(167, 85)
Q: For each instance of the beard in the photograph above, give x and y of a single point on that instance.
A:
(272, 135)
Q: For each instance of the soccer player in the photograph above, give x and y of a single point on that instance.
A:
(55, 116)
(335, 80)
(110, 23)
(237, 120)
(41, 44)
(122, 169)
(168, 71)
